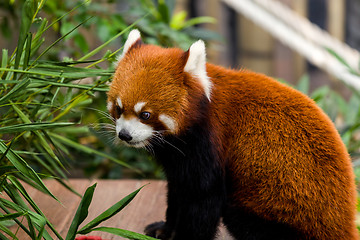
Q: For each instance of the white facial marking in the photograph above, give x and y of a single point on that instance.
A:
(168, 122)
(134, 35)
(139, 106)
(118, 100)
(139, 132)
(109, 106)
(196, 65)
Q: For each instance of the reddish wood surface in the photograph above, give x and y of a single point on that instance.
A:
(147, 207)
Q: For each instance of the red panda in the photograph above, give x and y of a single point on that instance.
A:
(235, 145)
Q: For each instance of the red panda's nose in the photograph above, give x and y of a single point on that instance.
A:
(125, 135)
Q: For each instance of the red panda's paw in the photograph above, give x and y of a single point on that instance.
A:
(158, 230)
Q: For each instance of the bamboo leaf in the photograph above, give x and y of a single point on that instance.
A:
(24, 168)
(11, 216)
(163, 11)
(27, 51)
(117, 207)
(27, 15)
(199, 20)
(15, 90)
(81, 212)
(70, 106)
(8, 232)
(32, 127)
(41, 138)
(88, 150)
(4, 61)
(5, 204)
(42, 71)
(124, 233)
(61, 38)
(338, 57)
(98, 49)
(105, 88)
(304, 84)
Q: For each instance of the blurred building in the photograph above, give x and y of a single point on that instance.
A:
(247, 45)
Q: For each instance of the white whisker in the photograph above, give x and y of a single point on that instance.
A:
(105, 114)
(159, 139)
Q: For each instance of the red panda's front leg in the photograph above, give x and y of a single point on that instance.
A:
(194, 217)
(164, 230)
(198, 220)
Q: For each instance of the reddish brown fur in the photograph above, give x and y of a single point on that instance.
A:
(284, 142)
(287, 160)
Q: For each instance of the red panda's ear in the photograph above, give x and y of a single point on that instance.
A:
(134, 40)
(196, 65)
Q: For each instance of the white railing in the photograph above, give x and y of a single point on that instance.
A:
(302, 36)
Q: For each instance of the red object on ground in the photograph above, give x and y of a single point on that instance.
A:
(89, 238)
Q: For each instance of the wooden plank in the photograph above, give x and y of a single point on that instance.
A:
(147, 207)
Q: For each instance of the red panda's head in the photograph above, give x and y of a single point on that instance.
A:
(157, 91)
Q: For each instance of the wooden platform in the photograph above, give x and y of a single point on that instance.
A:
(147, 207)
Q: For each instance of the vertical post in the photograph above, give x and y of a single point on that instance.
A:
(300, 7)
(336, 18)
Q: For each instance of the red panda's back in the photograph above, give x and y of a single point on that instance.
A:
(286, 159)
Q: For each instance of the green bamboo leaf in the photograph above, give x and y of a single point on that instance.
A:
(28, 11)
(8, 232)
(39, 221)
(338, 57)
(23, 192)
(4, 58)
(61, 38)
(124, 233)
(304, 84)
(199, 20)
(61, 73)
(18, 89)
(52, 166)
(44, 144)
(70, 85)
(81, 212)
(35, 220)
(88, 150)
(32, 127)
(24, 168)
(163, 11)
(27, 51)
(11, 216)
(6, 170)
(70, 107)
(178, 20)
(14, 195)
(98, 49)
(31, 227)
(7, 150)
(5, 204)
(117, 207)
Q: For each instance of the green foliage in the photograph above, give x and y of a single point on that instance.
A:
(163, 27)
(42, 108)
(82, 213)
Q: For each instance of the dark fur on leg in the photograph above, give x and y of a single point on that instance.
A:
(158, 230)
(247, 226)
(196, 185)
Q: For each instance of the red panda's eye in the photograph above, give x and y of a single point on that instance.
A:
(118, 111)
(145, 115)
